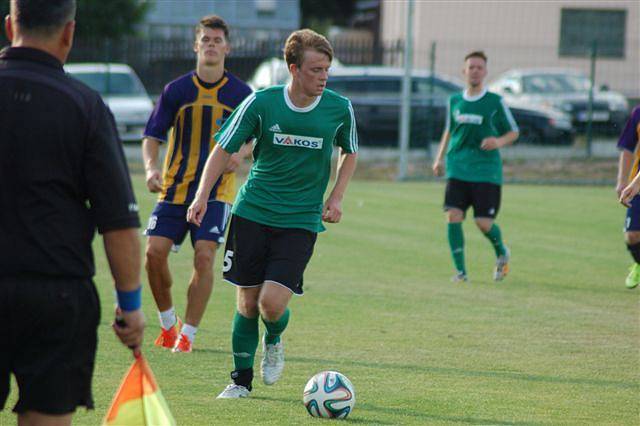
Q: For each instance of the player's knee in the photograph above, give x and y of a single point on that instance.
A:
(632, 238)
(155, 257)
(203, 259)
(271, 310)
(455, 215)
(248, 307)
(484, 225)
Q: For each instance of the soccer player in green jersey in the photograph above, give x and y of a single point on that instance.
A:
(279, 210)
(478, 125)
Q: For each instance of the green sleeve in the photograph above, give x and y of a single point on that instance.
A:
(503, 119)
(449, 121)
(347, 135)
(240, 126)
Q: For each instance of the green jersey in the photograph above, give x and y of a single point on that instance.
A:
(292, 154)
(469, 121)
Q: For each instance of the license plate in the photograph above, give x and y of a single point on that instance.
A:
(597, 116)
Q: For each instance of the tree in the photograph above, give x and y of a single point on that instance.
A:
(101, 18)
(109, 19)
(319, 15)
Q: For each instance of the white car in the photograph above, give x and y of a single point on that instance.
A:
(122, 91)
(274, 71)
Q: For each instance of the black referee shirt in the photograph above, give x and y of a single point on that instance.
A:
(62, 169)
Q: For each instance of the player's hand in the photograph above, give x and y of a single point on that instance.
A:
(332, 210)
(154, 180)
(628, 193)
(489, 144)
(619, 187)
(129, 327)
(196, 211)
(438, 168)
(233, 163)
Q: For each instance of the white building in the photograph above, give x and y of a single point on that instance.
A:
(525, 34)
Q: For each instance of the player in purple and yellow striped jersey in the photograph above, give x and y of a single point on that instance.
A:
(628, 169)
(190, 110)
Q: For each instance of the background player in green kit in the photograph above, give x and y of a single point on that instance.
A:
(478, 124)
(279, 210)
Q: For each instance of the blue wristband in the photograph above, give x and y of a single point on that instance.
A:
(130, 300)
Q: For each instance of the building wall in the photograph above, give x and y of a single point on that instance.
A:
(514, 34)
(247, 18)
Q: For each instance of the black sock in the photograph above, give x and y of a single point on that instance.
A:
(634, 249)
(243, 377)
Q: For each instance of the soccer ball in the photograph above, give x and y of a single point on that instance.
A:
(329, 394)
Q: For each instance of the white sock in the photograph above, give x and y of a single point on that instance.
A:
(168, 318)
(189, 331)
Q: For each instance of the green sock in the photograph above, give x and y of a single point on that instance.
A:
(275, 329)
(244, 341)
(456, 243)
(495, 236)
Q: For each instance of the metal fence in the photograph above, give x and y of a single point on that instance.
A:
(159, 61)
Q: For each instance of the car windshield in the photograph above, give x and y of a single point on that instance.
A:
(555, 83)
(112, 84)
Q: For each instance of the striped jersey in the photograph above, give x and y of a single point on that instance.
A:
(190, 111)
(292, 155)
(630, 137)
(469, 121)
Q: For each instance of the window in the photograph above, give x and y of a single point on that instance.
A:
(265, 8)
(579, 28)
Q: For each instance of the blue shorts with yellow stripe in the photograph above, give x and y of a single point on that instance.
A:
(170, 221)
(633, 216)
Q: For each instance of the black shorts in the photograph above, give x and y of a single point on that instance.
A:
(49, 337)
(256, 253)
(483, 196)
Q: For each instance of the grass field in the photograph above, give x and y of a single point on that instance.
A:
(556, 343)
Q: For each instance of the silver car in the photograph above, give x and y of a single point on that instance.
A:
(566, 90)
(122, 91)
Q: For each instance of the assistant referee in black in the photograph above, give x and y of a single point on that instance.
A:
(62, 175)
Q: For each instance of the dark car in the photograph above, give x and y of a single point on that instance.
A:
(375, 93)
(566, 90)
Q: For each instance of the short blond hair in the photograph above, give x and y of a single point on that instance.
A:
(300, 41)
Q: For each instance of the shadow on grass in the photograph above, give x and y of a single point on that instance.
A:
(358, 418)
(355, 420)
(509, 375)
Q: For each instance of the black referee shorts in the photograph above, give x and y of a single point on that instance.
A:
(48, 339)
(483, 196)
(256, 253)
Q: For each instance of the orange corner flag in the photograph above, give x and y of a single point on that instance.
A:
(138, 401)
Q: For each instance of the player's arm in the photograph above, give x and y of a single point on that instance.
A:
(115, 212)
(122, 247)
(150, 153)
(630, 191)
(213, 169)
(235, 132)
(332, 211)
(506, 126)
(624, 169)
(438, 161)
(347, 140)
(492, 143)
(237, 158)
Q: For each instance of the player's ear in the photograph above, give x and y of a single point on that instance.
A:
(8, 29)
(67, 34)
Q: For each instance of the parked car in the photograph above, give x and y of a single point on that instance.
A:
(375, 93)
(273, 71)
(122, 91)
(567, 90)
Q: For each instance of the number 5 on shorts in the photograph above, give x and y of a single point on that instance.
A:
(226, 266)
